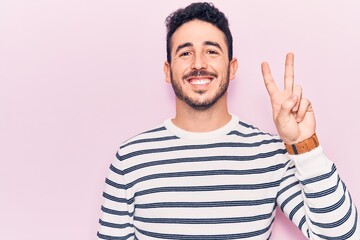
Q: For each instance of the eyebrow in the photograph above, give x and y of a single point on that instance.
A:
(215, 44)
(184, 45)
(189, 44)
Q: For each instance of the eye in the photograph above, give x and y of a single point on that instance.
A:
(184, 54)
(212, 52)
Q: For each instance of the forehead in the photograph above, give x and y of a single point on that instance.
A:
(197, 32)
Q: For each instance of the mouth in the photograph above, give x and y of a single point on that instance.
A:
(200, 81)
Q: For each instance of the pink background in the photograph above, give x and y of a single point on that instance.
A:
(79, 77)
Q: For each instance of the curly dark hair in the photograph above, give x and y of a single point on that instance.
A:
(202, 11)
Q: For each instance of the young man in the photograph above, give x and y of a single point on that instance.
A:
(204, 174)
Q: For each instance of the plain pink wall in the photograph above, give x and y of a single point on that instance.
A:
(79, 77)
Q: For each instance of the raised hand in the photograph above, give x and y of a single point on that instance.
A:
(293, 115)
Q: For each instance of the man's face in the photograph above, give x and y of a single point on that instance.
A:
(200, 69)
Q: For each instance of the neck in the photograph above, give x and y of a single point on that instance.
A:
(190, 119)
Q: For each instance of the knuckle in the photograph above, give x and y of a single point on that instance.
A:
(306, 101)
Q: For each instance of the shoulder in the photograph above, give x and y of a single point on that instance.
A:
(256, 139)
(146, 136)
(155, 136)
(263, 145)
(247, 130)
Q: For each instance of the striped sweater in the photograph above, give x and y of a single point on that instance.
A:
(168, 183)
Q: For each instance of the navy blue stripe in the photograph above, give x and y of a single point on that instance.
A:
(107, 237)
(209, 188)
(204, 221)
(237, 133)
(207, 237)
(247, 125)
(147, 140)
(201, 159)
(114, 184)
(329, 208)
(115, 225)
(291, 167)
(117, 199)
(149, 131)
(321, 177)
(337, 223)
(287, 188)
(287, 177)
(155, 130)
(116, 170)
(324, 192)
(201, 146)
(116, 212)
(206, 204)
(269, 236)
(301, 223)
(206, 173)
(289, 199)
(346, 235)
(295, 209)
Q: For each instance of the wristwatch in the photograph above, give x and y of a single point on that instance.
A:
(303, 146)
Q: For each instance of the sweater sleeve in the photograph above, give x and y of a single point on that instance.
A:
(116, 221)
(314, 197)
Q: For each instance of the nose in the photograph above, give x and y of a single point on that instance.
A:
(198, 62)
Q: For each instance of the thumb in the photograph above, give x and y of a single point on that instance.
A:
(285, 113)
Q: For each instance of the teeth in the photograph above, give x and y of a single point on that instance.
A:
(200, 81)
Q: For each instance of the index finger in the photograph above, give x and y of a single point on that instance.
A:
(268, 79)
(289, 72)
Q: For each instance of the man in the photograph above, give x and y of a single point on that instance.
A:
(204, 174)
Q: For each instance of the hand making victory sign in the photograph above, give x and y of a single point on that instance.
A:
(293, 115)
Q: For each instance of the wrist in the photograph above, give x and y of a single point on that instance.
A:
(304, 146)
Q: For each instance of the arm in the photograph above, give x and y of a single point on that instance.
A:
(116, 220)
(311, 194)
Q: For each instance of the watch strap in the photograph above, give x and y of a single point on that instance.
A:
(304, 146)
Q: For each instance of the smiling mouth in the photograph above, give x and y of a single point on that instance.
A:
(198, 81)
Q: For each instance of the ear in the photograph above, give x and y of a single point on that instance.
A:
(167, 70)
(233, 68)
